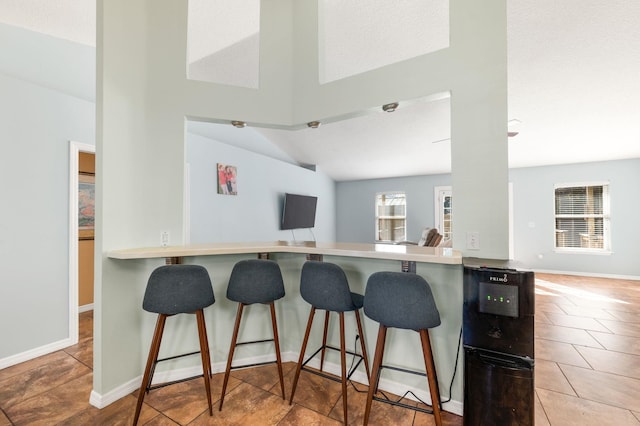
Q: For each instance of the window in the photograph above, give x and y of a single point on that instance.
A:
(444, 212)
(391, 216)
(582, 217)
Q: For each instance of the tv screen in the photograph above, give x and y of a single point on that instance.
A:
(299, 211)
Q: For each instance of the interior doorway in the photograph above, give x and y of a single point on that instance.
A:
(75, 235)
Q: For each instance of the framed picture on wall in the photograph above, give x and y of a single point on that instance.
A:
(227, 179)
(86, 205)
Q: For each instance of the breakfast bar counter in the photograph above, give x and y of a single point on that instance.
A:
(409, 253)
(440, 267)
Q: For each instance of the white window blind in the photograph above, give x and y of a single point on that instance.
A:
(582, 217)
(391, 216)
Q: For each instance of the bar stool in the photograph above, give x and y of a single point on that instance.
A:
(402, 300)
(254, 281)
(324, 286)
(172, 290)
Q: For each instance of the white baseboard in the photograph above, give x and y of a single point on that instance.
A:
(587, 274)
(34, 353)
(85, 308)
(101, 401)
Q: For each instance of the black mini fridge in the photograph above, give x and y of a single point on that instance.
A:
(498, 335)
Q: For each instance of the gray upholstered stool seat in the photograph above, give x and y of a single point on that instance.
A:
(324, 286)
(254, 281)
(402, 300)
(172, 290)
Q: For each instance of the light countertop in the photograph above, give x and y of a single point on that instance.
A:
(374, 251)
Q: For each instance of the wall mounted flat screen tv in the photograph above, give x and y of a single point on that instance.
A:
(299, 211)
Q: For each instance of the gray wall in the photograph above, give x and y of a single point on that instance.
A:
(37, 122)
(533, 204)
(355, 203)
(254, 214)
(533, 209)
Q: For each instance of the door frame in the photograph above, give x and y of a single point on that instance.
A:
(75, 148)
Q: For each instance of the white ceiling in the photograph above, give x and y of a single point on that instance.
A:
(573, 84)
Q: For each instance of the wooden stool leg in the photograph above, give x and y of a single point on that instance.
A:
(363, 346)
(232, 349)
(432, 379)
(324, 339)
(343, 365)
(302, 351)
(151, 359)
(375, 373)
(204, 354)
(276, 342)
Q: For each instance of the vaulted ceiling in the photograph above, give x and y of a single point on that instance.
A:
(572, 80)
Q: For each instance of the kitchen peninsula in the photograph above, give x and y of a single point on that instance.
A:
(441, 267)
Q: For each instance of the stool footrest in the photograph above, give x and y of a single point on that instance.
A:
(150, 387)
(177, 356)
(254, 341)
(329, 376)
(173, 382)
(402, 404)
(256, 364)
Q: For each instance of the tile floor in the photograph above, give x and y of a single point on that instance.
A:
(587, 373)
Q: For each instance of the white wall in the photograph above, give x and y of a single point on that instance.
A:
(533, 216)
(143, 98)
(37, 121)
(355, 200)
(254, 214)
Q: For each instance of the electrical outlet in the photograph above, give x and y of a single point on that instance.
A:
(164, 238)
(473, 240)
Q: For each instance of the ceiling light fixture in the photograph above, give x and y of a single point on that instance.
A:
(313, 124)
(390, 107)
(238, 124)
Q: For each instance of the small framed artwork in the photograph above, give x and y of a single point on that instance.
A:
(227, 179)
(86, 205)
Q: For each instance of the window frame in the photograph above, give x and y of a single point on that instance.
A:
(391, 217)
(606, 218)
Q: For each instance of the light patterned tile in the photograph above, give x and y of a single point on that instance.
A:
(380, 413)
(615, 342)
(247, 405)
(266, 377)
(54, 405)
(607, 388)
(4, 420)
(542, 317)
(622, 328)
(119, 413)
(317, 393)
(23, 367)
(549, 307)
(612, 362)
(580, 311)
(549, 376)
(39, 380)
(566, 410)
(540, 415)
(299, 415)
(559, 352)
(627, 316)
(565, 334)
(582, 323)
(183, 402)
